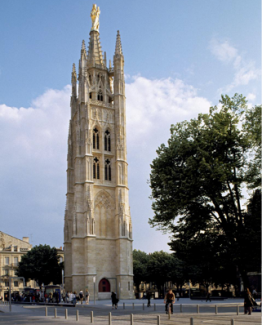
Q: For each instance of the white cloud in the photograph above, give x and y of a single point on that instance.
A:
(34, 147)
(153, 105)
(245, 71)
(251, 97)
(223, 51)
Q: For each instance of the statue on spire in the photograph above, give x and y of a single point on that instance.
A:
(95, 18)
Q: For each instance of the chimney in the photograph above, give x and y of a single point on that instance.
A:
(26, 239)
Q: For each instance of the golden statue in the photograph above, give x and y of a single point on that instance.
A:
(95, 18)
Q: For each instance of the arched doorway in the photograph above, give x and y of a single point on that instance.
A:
(104, 285)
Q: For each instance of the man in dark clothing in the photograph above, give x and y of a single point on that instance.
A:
(169, 299)
(148, 297)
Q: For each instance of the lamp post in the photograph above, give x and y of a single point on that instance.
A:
(94, 280)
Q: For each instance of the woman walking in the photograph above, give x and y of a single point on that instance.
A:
(248, 303)
(114, 300)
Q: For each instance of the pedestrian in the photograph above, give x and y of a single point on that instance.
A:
(74, 298)
(81, 295)
(87, 297)
(254, 293)
(248, 303)
(169, 299)
(148, 297)
(208, 297)
(177, 296)
(114, 300)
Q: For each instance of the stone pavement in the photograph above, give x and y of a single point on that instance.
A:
(226, 311)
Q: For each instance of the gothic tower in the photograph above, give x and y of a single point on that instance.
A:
(97, 226)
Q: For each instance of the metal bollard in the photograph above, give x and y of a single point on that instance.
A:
(181, 309)
(124, 305)
(109, 319)
(133, 306)
(77, 315)
(46, 311)
(216, 309)
(198, 309)
(55, 313)
(66, 314)
(232, 322)
(92, 317)
(131, 319)
(158, 319)
(143, 306)
(237, 310)
(154, 307)
(191, 321)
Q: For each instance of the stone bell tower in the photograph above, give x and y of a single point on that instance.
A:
(97, 226)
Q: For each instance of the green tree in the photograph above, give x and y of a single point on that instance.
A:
(199, 178)
(41, 264)
(140, 260)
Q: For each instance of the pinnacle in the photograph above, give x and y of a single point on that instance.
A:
(83, 45)
(118, 49)
(74, 68)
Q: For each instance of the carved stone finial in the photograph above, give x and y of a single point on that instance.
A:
(95, 18)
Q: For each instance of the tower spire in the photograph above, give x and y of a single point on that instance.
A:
(94, 48)
(118, 49)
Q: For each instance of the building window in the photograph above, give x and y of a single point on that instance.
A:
(100, 95)
(90, 95)
(6, 272)
(107, 170)
(6, 260)
(15, 283)
(107, 141)
(7, 283)
(95, 139)
(96, 168)
(15, 261)
(15, 248)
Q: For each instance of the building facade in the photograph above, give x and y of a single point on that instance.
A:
(11, 251)
(97, 225)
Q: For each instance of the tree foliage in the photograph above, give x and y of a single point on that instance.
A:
(158, 268)
(199, 177)
(41, 264)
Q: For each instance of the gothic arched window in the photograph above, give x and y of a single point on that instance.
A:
(107, 141)
(100, 95)
(95, 139)
(96, 173)
(107, 170)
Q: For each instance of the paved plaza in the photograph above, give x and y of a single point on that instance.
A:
(202, 312)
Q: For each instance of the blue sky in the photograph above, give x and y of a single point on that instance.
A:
(179, 57)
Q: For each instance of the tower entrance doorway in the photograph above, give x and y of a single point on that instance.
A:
(104, 285)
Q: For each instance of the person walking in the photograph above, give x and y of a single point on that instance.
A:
(81, 296)
(87, 297)
(114, 300)
(248, 303)
(148, 297)
(208, 296)
(169, 299)
(177, 296)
